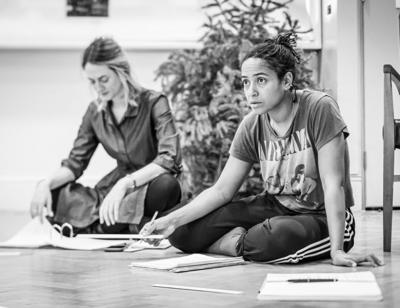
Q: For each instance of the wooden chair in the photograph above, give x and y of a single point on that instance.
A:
(391, 142)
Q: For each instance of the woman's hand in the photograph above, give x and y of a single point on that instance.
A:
(41, 201)
(341, 258)
(163, 225)
(109, 209)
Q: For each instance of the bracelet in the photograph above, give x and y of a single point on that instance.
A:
(130, 178)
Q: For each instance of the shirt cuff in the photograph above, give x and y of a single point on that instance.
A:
(168, 163)
(73, 167)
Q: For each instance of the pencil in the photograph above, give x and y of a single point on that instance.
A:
(154, 217)
(149, 223)
(169, 286)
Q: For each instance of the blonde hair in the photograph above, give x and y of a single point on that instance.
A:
(106, 51)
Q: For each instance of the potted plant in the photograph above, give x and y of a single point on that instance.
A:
(205, 90)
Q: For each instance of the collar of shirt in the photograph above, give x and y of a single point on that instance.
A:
(131, 112)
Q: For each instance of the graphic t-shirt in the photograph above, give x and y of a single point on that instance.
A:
(289, 164)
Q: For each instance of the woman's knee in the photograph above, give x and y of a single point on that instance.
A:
(163, 193)
(166, 185)
(181, 239)
(165, 180)
(257, 244)
(177, 240)
(273, 239)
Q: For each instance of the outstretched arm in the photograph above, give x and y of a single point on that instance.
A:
(72, 168)
(210, 199)
(331, 168)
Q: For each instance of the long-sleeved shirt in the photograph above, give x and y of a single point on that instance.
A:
(145, 134)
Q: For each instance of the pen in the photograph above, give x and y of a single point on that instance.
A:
(312, 280)
(144, 231)
(154, 217)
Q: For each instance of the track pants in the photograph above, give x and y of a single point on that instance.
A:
(275, 234)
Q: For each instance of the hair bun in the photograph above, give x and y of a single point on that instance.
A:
(287, 39)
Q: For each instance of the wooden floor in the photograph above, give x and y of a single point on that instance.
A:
(62, 278)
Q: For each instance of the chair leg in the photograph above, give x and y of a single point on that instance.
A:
(388, 170)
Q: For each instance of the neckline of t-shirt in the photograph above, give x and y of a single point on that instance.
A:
(299, 93)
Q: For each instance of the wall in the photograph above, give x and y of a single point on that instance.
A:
(341, 73)
(44, 92)
(381, 47)
(358, 39)
(44, 95)
(43, 24)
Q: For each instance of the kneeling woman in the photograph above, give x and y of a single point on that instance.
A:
(135, 126)
(299, 139)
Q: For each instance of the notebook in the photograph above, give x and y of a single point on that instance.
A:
(141, 245)
(36, 234)
(191, 262)
(355, 286)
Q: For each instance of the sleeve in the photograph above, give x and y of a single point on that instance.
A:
(243, 145)
(326, 122)
(84, 146)
(168, 148)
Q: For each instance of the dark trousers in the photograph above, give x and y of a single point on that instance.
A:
(163, 193)
(274, 233)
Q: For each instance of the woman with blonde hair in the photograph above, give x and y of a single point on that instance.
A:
(136, 128)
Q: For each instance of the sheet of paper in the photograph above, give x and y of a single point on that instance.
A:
(122, 236)
(140, 245)
(349, 286)
(58, 240)
(32, 235)
(36, 234)
(182, 269)
(189, 260)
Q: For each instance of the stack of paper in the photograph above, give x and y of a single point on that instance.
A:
(320, 287)
(143, 244)
(36, 234)
(191, 262)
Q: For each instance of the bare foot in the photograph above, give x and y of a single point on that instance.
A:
(226, 245)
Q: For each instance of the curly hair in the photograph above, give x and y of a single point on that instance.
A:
(279, 52)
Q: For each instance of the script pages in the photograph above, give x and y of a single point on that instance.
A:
(360, 286)
(191, 262)
(36, 234)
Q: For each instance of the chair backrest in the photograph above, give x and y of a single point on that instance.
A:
(391, 141)
(391, 128)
